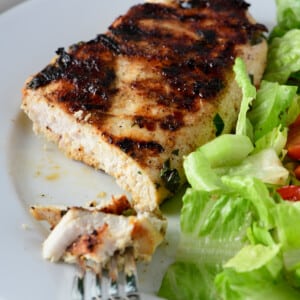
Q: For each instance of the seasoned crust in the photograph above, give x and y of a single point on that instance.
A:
(135, 100)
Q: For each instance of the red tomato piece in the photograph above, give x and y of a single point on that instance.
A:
(290, 192)
(297, 172)
(293, 140)
(296, 122)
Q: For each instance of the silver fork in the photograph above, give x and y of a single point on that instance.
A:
(107, 283)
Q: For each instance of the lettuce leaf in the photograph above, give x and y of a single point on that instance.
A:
(283, 57)
(288, 233)
(229, 246)
(275, 139)
(244, 126)
(188, 281)
(224, 151)
(271, 107)
(214, 227)
(259, 278)
(264, 165)
(288, 17)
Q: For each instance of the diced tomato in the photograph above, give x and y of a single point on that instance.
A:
(290, 192)
(296, 122)
(293, 140)
(297, 172)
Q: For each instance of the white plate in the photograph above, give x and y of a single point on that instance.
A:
(32, 171)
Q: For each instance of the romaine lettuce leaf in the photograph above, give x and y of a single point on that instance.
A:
(264, 165)
(257, 193)
(214, 227)
(253, 257)
(288, 17)
(275, 139)
(189, 281)
(220, 229)
(288, 233)
(265, 282)
(224, 151)
(243, 126)
(283, 57)
(271, 106)
(227, 150)
(199, 173)
(229, 154)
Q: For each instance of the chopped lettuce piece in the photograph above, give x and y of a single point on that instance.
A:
(275, 139)
(252, 257)
(259, 284)
(264, 165)
(283, 57)
(225, 150)
(271, 107)
(229, 154)
(288, 232)
(188, 281)
(243, 126)
(199, 172)
(214, 225)
(288, 17)
(260, 235)
(256, 191)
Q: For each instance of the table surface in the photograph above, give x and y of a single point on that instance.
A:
(7, 4)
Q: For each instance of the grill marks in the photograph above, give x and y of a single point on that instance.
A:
(88, 75)
(192, 47)
(189, 47)
(137, 149)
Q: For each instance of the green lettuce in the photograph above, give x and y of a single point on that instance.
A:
(287, 218)
(275, 139)
(283, 57)
(214, 228)
(235, 242)
(271, 107)
(244, 126)
(189, 280)
(255, 273)
(223, 152)
(230, 155)
(288, 17)
(264, 165)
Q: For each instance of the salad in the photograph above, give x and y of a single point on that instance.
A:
(240, 219)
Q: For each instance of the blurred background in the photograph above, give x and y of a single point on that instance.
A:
(6, 4)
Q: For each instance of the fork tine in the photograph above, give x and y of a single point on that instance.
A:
(78, 287)
(96, 286)
(131, 281)
(113, 279)
(103, 282)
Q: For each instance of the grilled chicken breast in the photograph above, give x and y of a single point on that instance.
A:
(136, 99)
(91, 236)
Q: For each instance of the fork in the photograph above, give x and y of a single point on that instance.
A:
(106, 282)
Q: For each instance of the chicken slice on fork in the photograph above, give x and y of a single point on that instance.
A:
(91, 236)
